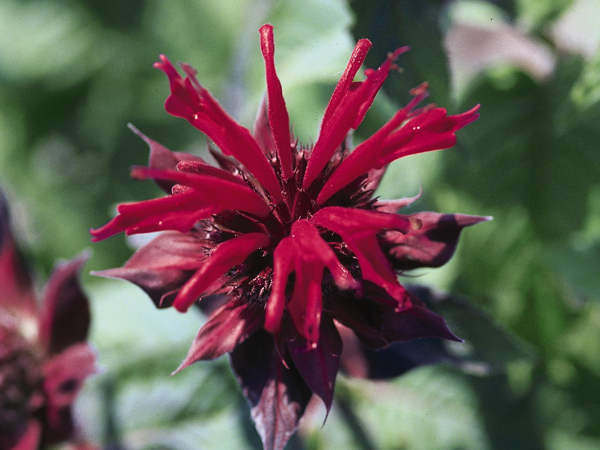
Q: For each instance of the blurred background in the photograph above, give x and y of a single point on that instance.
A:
(74, 73)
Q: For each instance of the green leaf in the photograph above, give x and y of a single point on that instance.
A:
(393, 24)
(487, 348)
(579, 269)
(531, 148)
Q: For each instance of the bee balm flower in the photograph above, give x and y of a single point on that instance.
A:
(44, 357)
(289, 236)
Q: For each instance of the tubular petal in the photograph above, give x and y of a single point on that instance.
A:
(364, 157)
(343, 86)
(353, 106)
(306, 253)
(358, 229)
(225, 256)
(192, 102)
(202, 168)
(220, 192)
(278, 115)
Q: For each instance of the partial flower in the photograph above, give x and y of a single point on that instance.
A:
(288, 238)
(44, 357)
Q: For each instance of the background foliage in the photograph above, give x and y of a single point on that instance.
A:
(74, 73)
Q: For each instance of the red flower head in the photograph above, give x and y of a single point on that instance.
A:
(44, 357)
(289, 236)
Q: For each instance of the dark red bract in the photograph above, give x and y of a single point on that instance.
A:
(289, 239)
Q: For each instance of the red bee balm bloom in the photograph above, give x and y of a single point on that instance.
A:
(289, 236)
(44, 357)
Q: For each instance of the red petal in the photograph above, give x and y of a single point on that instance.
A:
(179, 212)
(225, 256)
(358, 229)
(202, 168)
(65, 316)
(306, 253)
(227, 327)
(278, 115)
(430, 246)
(365, 157)
(431, 130)
(348, 115)
(343, 86)
(213, 190)
(191, 101)
(208, 195)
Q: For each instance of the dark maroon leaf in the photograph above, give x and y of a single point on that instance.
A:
(430, 246)
(227, 327)
(163, 265)
(489, 347)
(394, 360)
(65, 316)
(350, 311)
(378, 324)
(319, 366)
(414, 323)
(277, 395)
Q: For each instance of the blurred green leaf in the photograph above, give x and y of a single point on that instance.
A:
(538, 14)
(393, 24)
(487, 348)
(579, 269)
(530, 148)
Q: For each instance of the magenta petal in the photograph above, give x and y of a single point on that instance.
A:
(64, 375)
(319, 366)
(65, 316)
(163, 265)
(226, 328)
(430, 246)
(29, 440)
(277, 395)
(393, 206)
